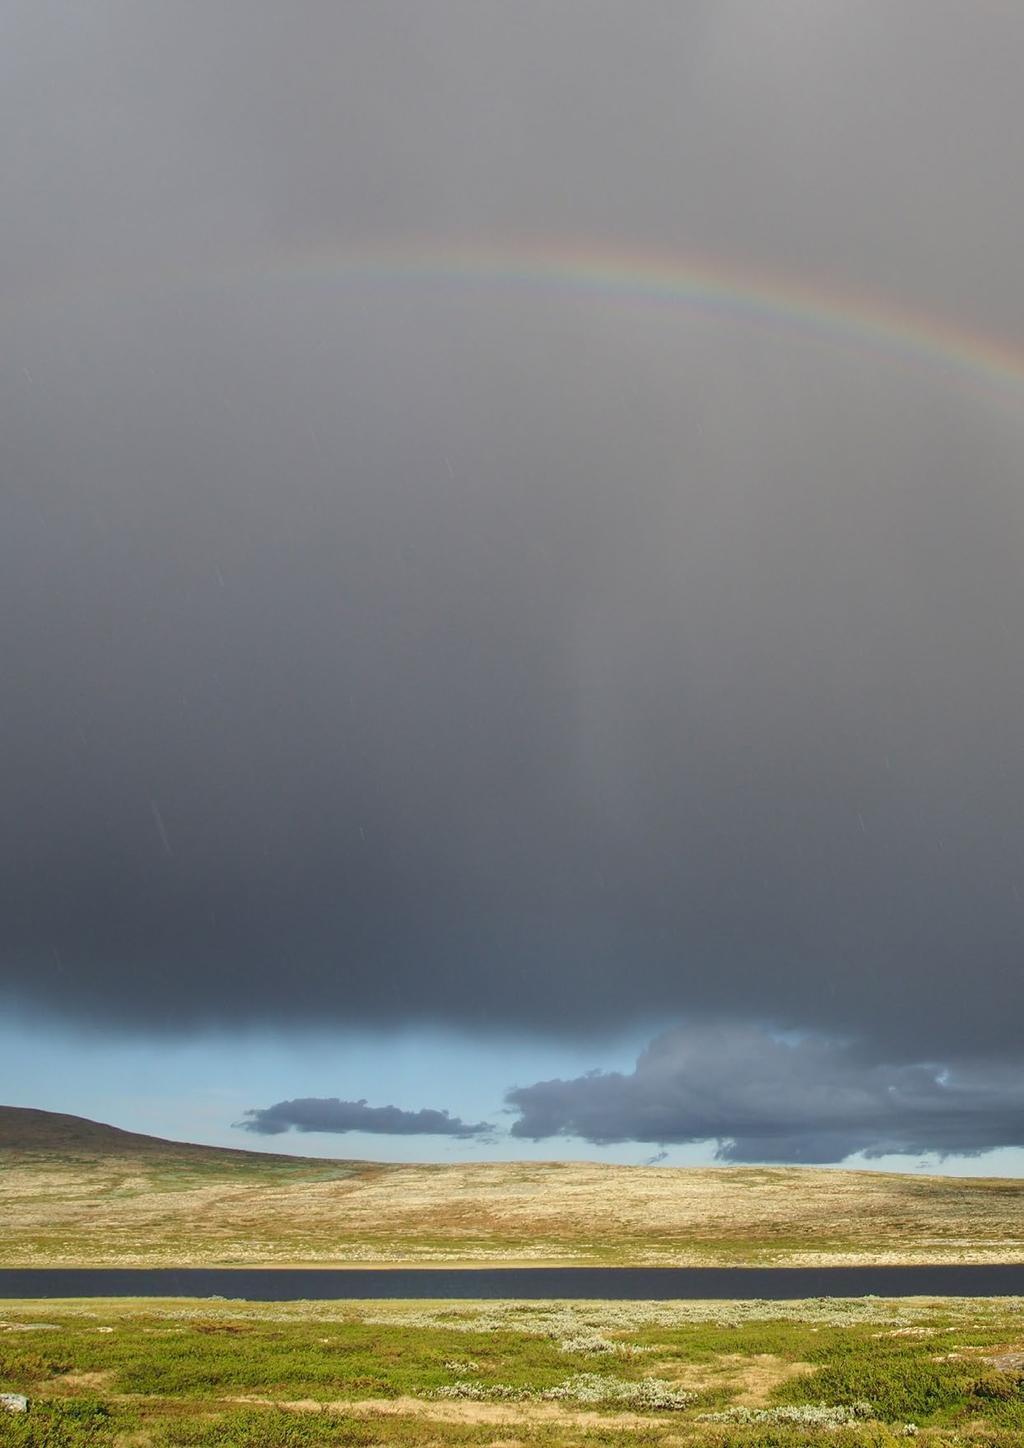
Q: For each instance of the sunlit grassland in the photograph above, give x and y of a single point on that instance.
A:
(838, 1372)
(201, 1207)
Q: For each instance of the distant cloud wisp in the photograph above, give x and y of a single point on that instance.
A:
(329, 1114)
(763, 1098)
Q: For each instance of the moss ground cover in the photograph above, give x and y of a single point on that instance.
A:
(837, 1372)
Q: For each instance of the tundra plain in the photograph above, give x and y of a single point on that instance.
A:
(156, 1373)
(76, 1193)
(860, 1373)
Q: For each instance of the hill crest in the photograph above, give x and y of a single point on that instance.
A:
(32, 1130)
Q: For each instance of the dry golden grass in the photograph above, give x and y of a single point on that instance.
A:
(749, 1379)
(119, 1200)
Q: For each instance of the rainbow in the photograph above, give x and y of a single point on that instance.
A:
(745, 294)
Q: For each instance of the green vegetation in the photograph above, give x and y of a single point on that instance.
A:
(214, 1374)
(846, 1374)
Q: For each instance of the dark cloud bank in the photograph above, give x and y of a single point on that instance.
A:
(401, 653)
(766, 1099)
(330, 1114)
(758, 1096)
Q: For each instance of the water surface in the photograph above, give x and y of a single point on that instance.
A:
(263, 1284)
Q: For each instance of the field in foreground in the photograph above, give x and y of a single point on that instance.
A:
(75, 1193)
(190, 1374)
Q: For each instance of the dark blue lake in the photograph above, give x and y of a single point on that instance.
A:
(641, 1283)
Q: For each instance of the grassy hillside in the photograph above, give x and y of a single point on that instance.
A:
(73, 1192)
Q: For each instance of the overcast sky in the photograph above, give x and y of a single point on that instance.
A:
(457, 669)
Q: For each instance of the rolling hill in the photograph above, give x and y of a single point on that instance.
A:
(77, 1192)
(42, 1134)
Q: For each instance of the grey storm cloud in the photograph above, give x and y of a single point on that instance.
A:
(327, 1113)
(763, 1098)
(382, 651)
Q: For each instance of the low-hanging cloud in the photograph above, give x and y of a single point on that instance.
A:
(329, 1114)
(763, 1098)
